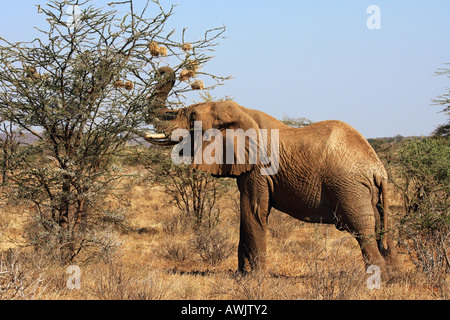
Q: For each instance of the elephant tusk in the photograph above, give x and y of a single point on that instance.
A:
(155, 138)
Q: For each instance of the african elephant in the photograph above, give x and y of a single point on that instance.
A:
(325, 173)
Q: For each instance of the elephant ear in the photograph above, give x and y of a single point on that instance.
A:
(229, 145)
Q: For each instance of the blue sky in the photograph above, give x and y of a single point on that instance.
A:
(315, 59)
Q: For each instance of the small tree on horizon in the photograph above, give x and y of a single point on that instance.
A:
(296, 122)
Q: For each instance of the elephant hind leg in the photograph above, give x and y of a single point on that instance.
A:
(369, 248)
(390, 253)
(361, 222)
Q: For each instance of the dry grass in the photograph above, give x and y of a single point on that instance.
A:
(162, 258)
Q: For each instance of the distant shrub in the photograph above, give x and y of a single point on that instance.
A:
(294, 122)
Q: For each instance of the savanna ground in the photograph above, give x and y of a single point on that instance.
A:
(154, 252)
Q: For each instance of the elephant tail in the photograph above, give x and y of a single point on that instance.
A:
(384, 211)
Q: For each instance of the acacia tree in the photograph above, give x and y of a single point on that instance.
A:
(444, 100)
(294, 122)
(79, 90)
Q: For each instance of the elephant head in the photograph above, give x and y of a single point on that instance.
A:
(221, 138)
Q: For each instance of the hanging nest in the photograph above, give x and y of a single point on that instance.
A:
(186, 75)
(128, 85)
(198, 85)
(154, 48)
(186, 47)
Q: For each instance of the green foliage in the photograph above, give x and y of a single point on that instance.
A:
(428, 161)
(443, 130)
(423, 165)
(443, 100)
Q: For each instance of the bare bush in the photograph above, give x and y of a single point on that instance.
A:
(20, 280)
(98, 243)
(195, 193)
(213, 244)
(175, 251)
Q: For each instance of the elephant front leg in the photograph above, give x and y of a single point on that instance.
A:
(253, 234)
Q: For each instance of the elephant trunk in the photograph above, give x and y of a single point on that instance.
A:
(157, 113)
(158, 99)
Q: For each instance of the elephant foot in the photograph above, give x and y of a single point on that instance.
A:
(250, 266)
(257, 267)
(393, 259)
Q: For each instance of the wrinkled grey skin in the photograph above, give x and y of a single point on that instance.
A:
(328, 173)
